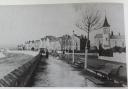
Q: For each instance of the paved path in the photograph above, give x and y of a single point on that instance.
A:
(57, 73)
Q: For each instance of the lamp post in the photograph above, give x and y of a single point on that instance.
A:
(73, 48)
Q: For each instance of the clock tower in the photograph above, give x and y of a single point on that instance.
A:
(106, 34)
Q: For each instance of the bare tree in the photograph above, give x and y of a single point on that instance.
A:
(89, 22)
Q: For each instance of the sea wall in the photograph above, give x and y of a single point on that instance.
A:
(20, 76)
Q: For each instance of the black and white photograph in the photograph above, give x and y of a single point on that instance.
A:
(63, 45)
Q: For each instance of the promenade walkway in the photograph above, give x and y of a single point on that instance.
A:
(57, 73)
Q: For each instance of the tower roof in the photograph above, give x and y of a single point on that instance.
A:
(106, 23)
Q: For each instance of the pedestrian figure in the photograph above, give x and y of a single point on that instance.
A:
(47, 53)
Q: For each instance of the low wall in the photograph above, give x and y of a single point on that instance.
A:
(69, 58)
(20, 76)
(117, 57)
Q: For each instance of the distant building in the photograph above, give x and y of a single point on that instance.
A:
(21, 47)
(117, 40)
(29, 45)
(37, 44)
(66, 42)
(51, 43)
(32, 45)
(107, 39)
(76, 42)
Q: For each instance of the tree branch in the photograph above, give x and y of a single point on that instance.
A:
(82, 28)
(89, 22)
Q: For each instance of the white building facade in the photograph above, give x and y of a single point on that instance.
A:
(75, 42)
(51, 43)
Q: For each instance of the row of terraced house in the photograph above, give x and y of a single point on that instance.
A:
(53, 43)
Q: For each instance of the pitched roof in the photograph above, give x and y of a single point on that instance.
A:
(106, 23)
(42, 39)
(37, 40)
(66, 37)
(52, 38)
(77, 36)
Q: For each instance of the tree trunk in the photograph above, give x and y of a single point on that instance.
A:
(86, 49)
(88, 37)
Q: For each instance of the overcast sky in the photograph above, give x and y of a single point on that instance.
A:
(21, 23)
